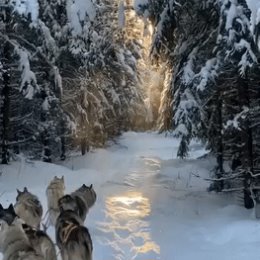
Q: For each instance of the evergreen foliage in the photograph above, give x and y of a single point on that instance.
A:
(211, 85)
(72, 80)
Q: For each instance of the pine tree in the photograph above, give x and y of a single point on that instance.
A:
(210, 86)
(237, 52)
(5, 55)
(182, 43)
(34, 123)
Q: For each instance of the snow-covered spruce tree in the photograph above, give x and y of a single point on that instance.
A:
(208, 94)
(76, 44)
(1, 104)
(5, 55)
(161, 15)
(137, 35)
(109, 99)
(253, 115)
(35, 103)
(120, 59)
(237, 54)
(182, 43)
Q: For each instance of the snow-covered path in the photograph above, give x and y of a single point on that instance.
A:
(149, 204)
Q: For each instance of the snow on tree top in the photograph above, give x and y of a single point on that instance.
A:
(254, 6)
(27, 7)
(77, 10)
(139, 3)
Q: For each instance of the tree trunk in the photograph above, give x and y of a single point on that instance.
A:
(220, 171)
(46, 147)
(247, 144)
(62, 137)
(6, 88)
(6, 104)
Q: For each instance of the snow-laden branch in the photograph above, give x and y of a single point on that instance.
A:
(29, 85)
(234, 123)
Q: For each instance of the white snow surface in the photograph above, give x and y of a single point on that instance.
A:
(149, 205)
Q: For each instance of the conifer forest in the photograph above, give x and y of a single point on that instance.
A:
(75, 74)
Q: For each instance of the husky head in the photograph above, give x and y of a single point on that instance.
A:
(21, 193)
(4, 227)
(8, 221)
(67, 202)
(58, 180)
(7, 215)
(57, 183)
(89, 192)
(86, 188)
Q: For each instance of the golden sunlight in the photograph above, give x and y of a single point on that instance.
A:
(131, 204)
(140, 30)
(129, 217)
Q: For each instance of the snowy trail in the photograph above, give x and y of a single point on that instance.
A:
(127, 226)
(149, 204)
(137, 195)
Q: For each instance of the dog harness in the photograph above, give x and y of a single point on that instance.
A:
(67, 231)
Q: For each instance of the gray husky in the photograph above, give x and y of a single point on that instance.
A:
(41, 242)
(79, 201)
(54, 192)
(72, 238)
(38, 239)
(28, 208)
(14, 243)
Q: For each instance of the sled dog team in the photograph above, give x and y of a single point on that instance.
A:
(20, 234)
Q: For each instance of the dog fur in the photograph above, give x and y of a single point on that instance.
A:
(29, 208)
(38, 239)
(72, 238)
(79, 201)
(41, 242)
(54, 192)
(14, 243)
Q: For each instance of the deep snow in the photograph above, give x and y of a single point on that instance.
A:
(149, 205)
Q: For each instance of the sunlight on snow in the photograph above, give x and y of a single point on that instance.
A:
(128, 213)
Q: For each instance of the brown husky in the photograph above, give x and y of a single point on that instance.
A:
(41, 242)
(38, 239)
(28, 208)
(14, 243)
(54, 192)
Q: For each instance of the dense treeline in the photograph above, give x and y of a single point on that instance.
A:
(212, 84)
(67, 79)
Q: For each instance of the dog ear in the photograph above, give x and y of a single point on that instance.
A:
(91, 186)
(18, 192)
(2, 225)
(1, 207)
(11, 209)
(25, 189)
